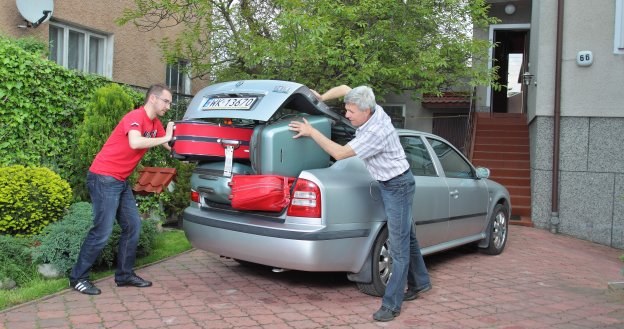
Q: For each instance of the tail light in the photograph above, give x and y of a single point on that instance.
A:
(194, 196)
(306, 200)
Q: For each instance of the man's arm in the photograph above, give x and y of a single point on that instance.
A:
(333, 93)
(137, 141)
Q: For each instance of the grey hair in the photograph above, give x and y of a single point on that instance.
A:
(363, 97)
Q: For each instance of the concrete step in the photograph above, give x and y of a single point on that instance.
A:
(512, 181)
(519, 190)
(479, 154)
(493, 125)
(520, 201)
(502, 132)
(520, 210)
(501, 148)
(502, 164)
(509, 172)
(521, 220)
(501, 140)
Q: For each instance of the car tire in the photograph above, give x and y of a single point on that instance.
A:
(497, 230)
(381, 267)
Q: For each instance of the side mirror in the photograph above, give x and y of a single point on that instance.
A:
(483, 172)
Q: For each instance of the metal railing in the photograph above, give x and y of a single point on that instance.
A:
(470, 127)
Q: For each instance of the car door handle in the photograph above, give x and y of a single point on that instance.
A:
(454, 194)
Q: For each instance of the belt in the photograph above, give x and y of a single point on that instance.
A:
(399, 175)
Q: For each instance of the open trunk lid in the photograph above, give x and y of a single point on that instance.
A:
(256, 100)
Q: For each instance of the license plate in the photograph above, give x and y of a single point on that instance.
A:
(234, 103)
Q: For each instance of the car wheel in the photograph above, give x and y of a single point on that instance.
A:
(498, 230)
(381, 267)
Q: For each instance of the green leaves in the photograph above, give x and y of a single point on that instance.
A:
(30, 198)
(388, 44)
(41, 104)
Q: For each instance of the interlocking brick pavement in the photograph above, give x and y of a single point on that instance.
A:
(540, 281)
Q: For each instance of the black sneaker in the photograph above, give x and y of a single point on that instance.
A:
(134, 281)
(85, 287)
(412, 294)
(385, 314)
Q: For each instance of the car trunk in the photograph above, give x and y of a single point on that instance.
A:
(261, 110)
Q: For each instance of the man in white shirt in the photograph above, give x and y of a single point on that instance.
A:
(377, 143)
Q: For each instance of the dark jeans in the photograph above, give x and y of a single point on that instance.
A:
(111, 199)
(408, 266)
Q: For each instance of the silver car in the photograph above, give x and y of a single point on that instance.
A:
(344, 229)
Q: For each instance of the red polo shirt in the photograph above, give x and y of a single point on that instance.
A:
(116, 158)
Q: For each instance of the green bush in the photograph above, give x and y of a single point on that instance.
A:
(41, 104)
(15, 260)
(31, 199)
(107, 106)
(33, 45)
(59, 244)
(181, 196)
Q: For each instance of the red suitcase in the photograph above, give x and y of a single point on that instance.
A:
(260, 192)
(197, 140)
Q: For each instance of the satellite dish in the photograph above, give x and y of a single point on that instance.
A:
(35, 11)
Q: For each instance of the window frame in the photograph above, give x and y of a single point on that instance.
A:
(470, 174)
(426, 169)
(618, 37)
(62, 57)
(386, 107)
(181, 76)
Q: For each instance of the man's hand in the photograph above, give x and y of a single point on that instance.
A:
(169, 130)
(302, 128)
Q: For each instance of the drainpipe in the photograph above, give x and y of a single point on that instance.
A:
(554, 216)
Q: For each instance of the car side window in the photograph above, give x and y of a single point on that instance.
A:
(454, 165)
(418, 156)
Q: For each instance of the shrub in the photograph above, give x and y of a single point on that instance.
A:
(15, 260)
(33, 45)
(40, 105)
(180, 197)
(59, 244)
(31, 199)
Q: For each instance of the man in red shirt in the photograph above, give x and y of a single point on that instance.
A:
(111, 193)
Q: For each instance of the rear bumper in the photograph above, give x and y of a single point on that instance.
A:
(302, 247)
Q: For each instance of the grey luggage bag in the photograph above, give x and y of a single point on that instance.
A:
(213, 184)
(274, 151)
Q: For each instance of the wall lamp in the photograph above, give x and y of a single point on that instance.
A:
(527, 78)
(510, 9)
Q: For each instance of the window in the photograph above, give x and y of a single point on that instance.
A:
(80, 50)
(418, 156)
(618, 42)
(396, 112)
(177, 77)
(452, 162)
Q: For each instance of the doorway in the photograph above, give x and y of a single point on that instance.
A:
(511, 56)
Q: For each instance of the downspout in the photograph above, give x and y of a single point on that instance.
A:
(554, 219)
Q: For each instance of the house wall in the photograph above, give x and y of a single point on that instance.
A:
(137, 59)
(591, 165)
(416, 117)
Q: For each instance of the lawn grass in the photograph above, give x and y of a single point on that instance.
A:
(168, 243)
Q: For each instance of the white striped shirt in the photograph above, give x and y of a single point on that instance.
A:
(377, 143)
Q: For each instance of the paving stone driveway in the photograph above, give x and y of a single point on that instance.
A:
(540, 281)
